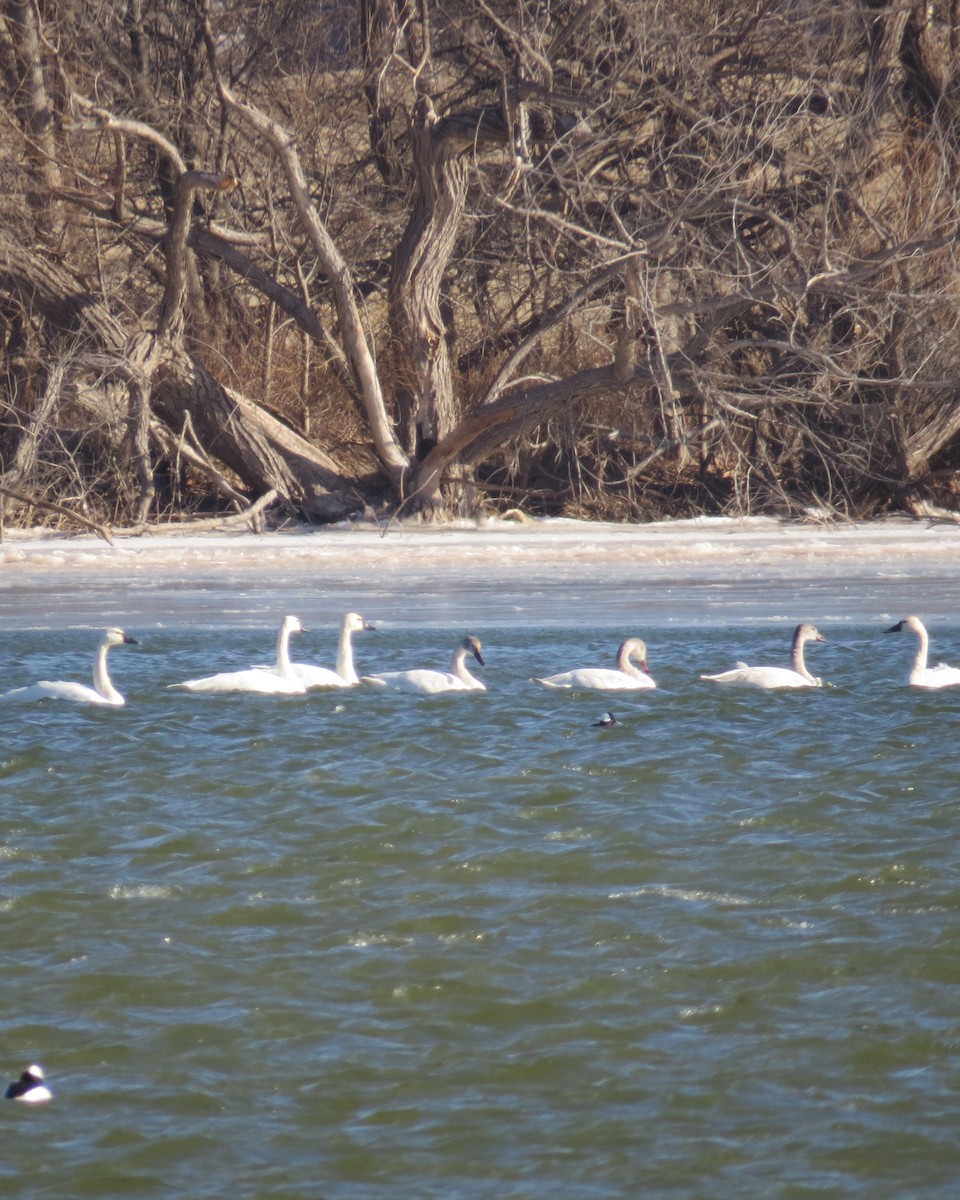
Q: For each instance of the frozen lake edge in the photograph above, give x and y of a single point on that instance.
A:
(543, 571)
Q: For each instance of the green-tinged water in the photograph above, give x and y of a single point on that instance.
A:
(359, 945)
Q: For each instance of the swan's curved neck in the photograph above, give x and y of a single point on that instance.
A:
(101, 679)
(796, 660)
(920, 662)
(626, 666)
(459, 668)
(283, 653)
(345, 667)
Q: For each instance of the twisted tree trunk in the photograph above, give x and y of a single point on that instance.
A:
(421, 330)
(421, 258)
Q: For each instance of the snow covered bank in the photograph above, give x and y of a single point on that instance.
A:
(498, 571)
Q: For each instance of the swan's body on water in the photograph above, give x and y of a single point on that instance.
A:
(794, 676)
(940, 676)
(278, 681)
(345, 674)
(624, 677)
(426, 682)
(102, 692)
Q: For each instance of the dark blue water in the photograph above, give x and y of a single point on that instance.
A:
(358, 945)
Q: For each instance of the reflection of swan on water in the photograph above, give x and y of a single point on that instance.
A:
(940, 676)
(102, 692)
(278, 681)
(625, 676)
(457, 679)
(345, 675)
(796, 676)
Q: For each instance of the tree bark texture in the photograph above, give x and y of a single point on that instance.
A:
(421, 329)
(422, 257)
(35, 112)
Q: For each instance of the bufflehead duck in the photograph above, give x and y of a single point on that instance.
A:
(30, 1088)
(606, 720)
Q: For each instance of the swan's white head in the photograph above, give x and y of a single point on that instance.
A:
(472, 646)
(808, 633)
(913, 624)
(635, 648)
(293, 625)
(116, 637)
(354, 623)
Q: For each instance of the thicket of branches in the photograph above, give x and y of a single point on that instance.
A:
(618, 258)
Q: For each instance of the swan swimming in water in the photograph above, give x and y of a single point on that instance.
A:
(457, 679)
(625, 677)
(797, 676)
(102, 692)
(940, 676)
(276, 681)
(345, 675)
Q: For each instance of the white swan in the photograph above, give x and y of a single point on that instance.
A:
(277, 681)
(940, 676)
(457, 679)
(345, 675)
(102, 692)
(625, 676)
(797, 676)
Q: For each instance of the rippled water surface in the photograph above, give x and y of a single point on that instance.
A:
(360, 945)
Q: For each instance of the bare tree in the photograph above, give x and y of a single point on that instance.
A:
(603, 256)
